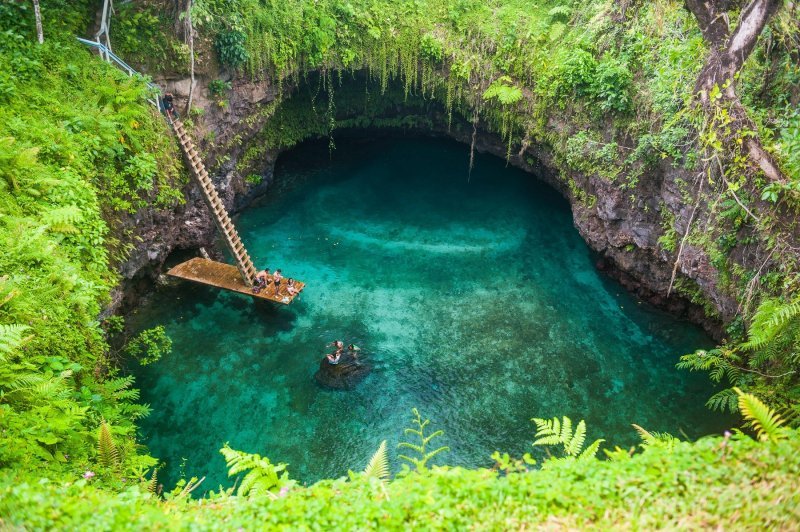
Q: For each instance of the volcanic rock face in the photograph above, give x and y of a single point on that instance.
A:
(622, 226)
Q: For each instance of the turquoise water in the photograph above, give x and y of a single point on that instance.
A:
(475, 301)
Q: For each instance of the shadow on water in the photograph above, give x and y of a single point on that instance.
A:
(476, 302)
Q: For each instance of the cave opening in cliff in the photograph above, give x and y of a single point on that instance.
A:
(472, 297)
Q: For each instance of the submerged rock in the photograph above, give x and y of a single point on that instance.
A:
(342, 376)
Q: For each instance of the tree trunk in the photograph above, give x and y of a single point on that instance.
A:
(190, 39)
(728, 52)
(38, 14)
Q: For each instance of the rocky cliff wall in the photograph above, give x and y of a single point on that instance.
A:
(622, 226)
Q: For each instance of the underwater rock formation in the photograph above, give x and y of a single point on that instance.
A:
(344, 375)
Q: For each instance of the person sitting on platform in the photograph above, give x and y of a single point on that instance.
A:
(290, 288)
(262, 280)
(276, 280)
(333, 358)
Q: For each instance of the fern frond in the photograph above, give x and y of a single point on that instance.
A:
(784, 314)
(769, 320)
(556, 31)
(63, 219)
(433, 435)
(421, 449)
(12, 337)
(107, 453)
(559, 11)
(661, 439)
(378, 466)
(724, 400)
(761, 418)
(548, 428)
(261, 475)
(418, 448)
(566, 430)
(575, 444)
(591, 451)
(152, 485)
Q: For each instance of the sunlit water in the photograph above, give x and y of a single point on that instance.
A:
(474, 300)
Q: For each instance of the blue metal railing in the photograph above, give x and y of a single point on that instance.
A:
(111, 57)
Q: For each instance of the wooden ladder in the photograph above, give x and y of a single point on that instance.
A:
(214, 203)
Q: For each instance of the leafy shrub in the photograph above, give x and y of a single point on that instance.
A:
(576, 74)
(230, 48)
(503, 91)
(610, 85)
(149, 345)
(789, 145)
(431, 48)
(217, 88)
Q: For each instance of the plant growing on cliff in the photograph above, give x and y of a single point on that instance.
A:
(149, 345)
(230, 48)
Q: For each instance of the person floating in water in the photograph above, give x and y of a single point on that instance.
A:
(338, 344)
(334, 357)
(354, 349)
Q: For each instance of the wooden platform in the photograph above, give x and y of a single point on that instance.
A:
(227, 277)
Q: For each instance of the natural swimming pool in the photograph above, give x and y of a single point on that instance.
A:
(475, 301)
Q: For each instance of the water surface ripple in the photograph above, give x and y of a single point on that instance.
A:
(476, 302)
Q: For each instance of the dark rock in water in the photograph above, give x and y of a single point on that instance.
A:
(344, 375)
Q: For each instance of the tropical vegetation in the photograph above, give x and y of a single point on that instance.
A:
(614, 89)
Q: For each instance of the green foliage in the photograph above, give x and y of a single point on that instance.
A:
(229, 45)
(761, 418)
(555, 432)
(378, 466)
(12, 336)
(726, 483)
(789, 146)
(431, 48)
(662, 439)
(79, 145)
(142, 33)
(218, 88)
(261, 478)
(149, 345)
(504, 91)
(78, 148)
(421, 449)
(611, 85)
(773, 322)
(107, 453)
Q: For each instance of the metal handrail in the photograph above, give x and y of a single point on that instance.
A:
(110, 56)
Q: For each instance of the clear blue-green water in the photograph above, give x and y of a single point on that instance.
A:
(475, 301)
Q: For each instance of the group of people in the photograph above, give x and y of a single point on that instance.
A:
(264, 279)
(336, 356)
